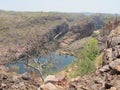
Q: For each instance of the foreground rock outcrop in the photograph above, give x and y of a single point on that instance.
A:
(12, 81)
(106, 77)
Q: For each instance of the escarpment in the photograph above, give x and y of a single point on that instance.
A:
(105, 77)
(77, 32)
(38, 34)
(62, 33)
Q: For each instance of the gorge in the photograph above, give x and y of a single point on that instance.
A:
(56, 43)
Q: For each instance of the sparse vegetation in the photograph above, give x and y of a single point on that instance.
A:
(85, 63)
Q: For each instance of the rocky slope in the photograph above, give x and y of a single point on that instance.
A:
(11, 81)
(106, 77)
(66, 30)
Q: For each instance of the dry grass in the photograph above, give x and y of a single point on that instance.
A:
(98, 61)
(16, 26)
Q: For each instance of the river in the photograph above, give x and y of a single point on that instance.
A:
(58, 62)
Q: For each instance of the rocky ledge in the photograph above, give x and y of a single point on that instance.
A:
(12, 81)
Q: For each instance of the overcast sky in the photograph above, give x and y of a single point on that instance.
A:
(101, 6)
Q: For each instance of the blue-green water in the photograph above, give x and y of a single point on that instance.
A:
(58, 62)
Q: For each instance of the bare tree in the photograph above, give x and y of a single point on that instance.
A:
(38, 46)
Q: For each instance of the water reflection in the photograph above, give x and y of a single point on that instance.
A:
(57, 62)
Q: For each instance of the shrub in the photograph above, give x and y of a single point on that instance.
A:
(87, 55)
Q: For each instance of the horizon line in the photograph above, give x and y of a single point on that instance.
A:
(57, 11)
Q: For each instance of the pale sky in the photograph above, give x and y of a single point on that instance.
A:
(100, 6)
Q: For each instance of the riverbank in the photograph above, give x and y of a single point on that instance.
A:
(74, 47)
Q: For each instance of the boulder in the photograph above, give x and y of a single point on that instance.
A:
(54, 78)
(48, 86)
(75, 79)
(26, 76)
(3, 85)
(15, 78)
(50, 78)
(115, 64)
(113, 88)
(3, 76)
(109, 53)
(62, 44)
(105, 68)
(117, 68)
(115, 40)
(22, 86)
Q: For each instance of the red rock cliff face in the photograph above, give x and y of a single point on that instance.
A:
(84, 30)
(77, 32)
